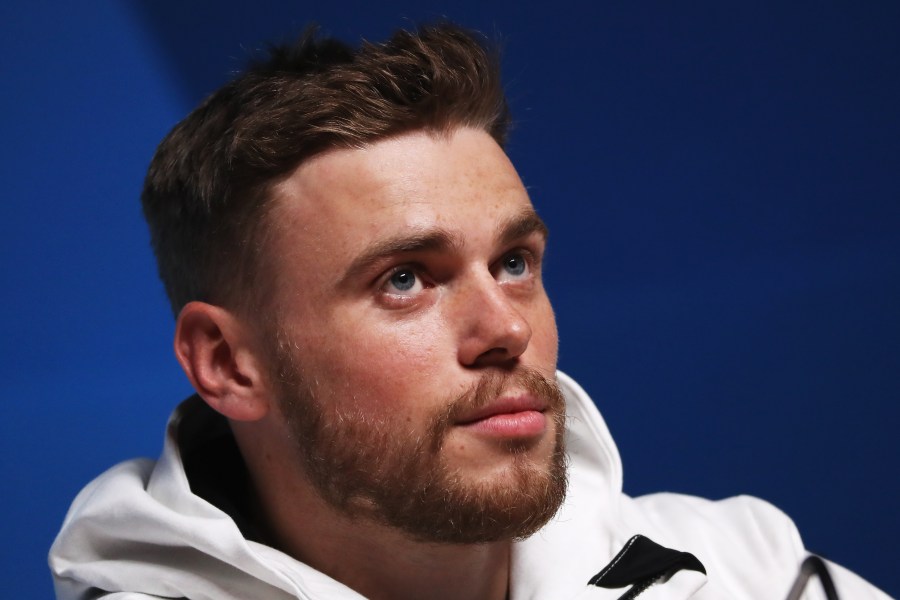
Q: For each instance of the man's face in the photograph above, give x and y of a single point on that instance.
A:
(415, 347)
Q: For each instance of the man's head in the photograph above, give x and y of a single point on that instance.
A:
(362, 296)
(417, 346)
(207, 190)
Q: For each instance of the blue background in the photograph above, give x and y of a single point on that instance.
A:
(722, 183)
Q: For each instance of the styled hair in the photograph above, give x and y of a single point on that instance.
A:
(208, 186)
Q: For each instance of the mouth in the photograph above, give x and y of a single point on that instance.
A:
(516, 416)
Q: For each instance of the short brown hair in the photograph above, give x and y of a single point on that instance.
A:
(207, 187)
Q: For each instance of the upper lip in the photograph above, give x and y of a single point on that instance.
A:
(506, 404)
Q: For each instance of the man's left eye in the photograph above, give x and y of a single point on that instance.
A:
(513, 266)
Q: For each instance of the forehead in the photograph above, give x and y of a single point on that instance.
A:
(344, 199)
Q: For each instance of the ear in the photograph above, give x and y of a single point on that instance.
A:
(218, 352)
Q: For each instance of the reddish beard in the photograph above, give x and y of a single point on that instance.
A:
(379, 470)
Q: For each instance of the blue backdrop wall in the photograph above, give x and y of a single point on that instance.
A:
(722, 182)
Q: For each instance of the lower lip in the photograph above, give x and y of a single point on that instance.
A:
(527, 423)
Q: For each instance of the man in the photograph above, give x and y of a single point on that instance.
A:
(355, 267)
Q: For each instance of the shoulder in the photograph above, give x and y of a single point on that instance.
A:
(117, 483)
(749, 547)
(755, 524)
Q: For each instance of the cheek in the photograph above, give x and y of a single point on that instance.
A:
(379, 365)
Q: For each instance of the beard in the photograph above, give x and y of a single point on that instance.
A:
(379, 469)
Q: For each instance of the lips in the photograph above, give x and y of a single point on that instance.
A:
(508, 416)
(506, 405)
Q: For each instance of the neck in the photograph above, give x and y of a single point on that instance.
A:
(375, 560)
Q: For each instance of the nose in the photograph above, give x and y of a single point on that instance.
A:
(493, 329)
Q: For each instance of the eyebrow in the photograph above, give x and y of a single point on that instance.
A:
(519, 226)
(426, 240)
(525, 223)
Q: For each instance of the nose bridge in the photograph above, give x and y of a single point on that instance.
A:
(492, 325)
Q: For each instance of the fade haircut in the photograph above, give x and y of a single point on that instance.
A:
(207, 190)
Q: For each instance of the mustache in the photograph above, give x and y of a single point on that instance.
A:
(490, 387)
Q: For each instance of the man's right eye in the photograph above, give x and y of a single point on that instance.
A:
(402, 282)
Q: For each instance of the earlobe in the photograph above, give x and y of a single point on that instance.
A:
(218, 353)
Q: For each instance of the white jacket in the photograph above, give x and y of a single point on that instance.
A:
(138, 532)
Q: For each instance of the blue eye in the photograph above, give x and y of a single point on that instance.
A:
(403, 286)
(403, 280)
(514, 264)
